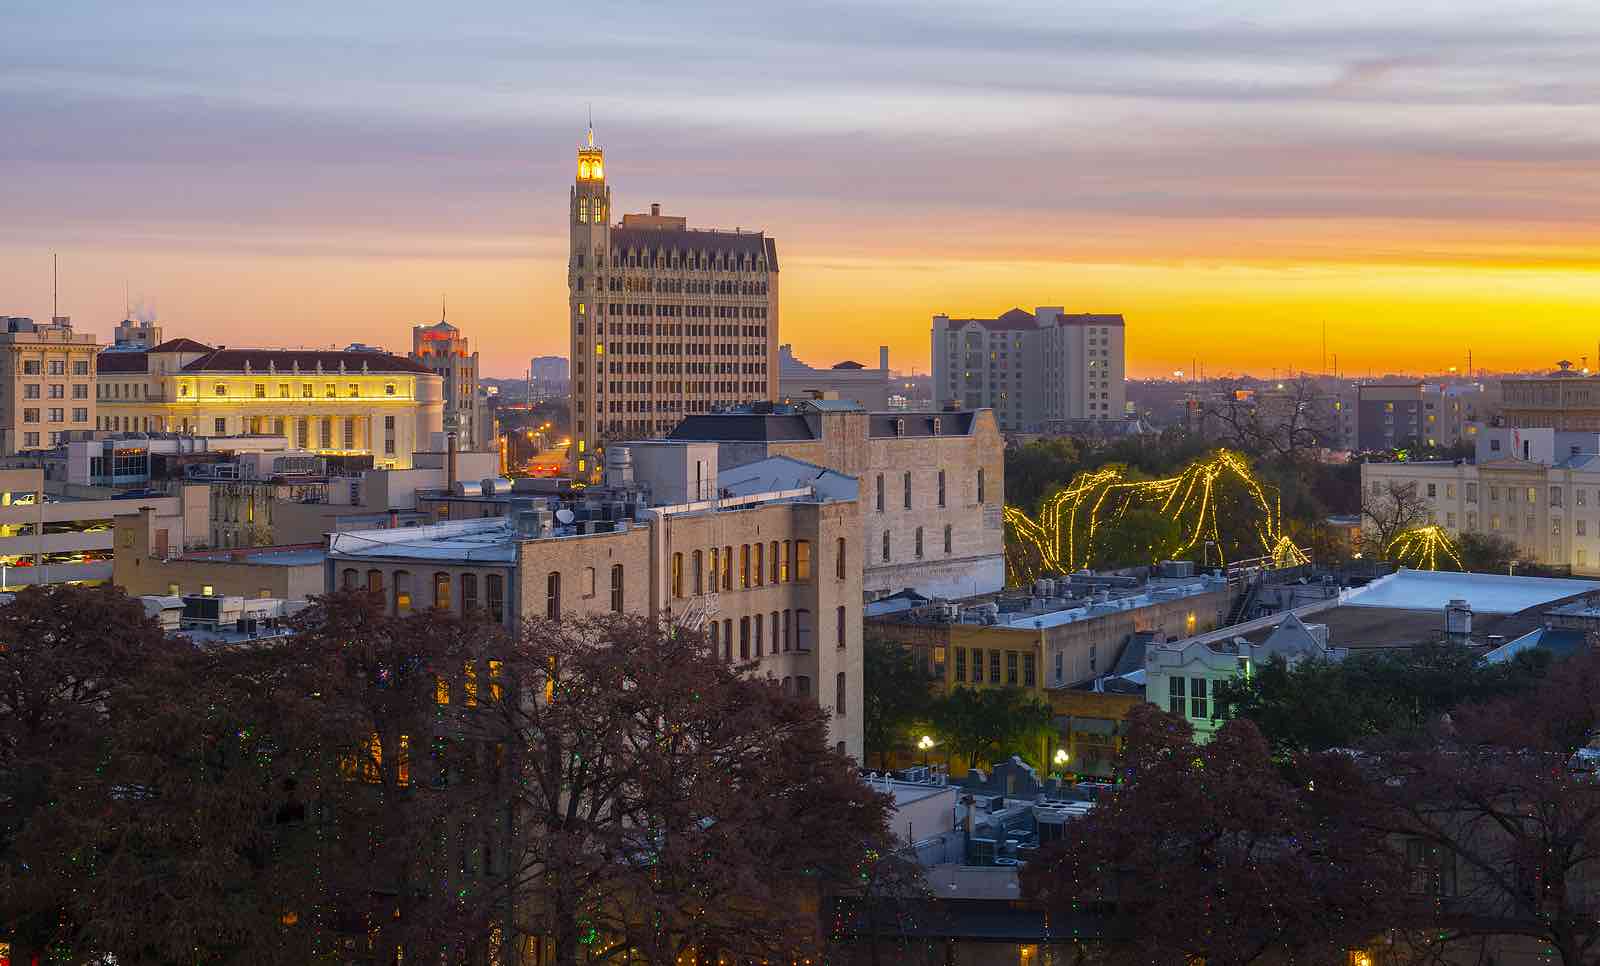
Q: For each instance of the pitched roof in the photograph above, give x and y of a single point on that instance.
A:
(696, 240)
(121, 362)
(849, 364)
(883, 425)
(308, 360)
(742, 427)
(182, 345)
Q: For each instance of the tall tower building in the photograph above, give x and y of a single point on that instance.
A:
(666, 320)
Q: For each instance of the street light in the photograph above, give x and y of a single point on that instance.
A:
(925, 743)
(1061, 757)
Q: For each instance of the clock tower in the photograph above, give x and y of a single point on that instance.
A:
(588, 217)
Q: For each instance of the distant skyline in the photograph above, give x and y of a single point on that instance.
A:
(1228, 175)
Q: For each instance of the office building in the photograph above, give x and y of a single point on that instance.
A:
(765, 559)
(444, 350)
(933, 484)
(848, 380)
(1032, 368)
(359, 403)
(1566, 399)
(1418, 415)
(144, 564)
(135, 336)
(547, 376)
(666, 320)
(48, 392)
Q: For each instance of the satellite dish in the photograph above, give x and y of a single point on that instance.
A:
(564, 516)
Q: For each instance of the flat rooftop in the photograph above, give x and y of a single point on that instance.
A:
(289, 555)
(489, 540)
(1430, 590)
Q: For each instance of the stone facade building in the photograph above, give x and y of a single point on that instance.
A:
(443, 349)
(350, 403)
(1032, 368)
(666, 321)
(933, 484)
(769, 568)
(49, 386)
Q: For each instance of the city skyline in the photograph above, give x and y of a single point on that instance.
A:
(1419, 188)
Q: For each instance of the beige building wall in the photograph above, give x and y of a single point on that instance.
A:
(48, 389)
(140, 568)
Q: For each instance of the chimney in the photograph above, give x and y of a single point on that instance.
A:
(394, 519)
(655, 209)
(883, 358)
(450, 461)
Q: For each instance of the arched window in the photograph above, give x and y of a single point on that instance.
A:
(616, 588)
(727, 568)
(839, 630)
(552, 595)
(469, 593)
(677, 575)
(947, 533)
(886, 546)
(941, 487)
(760, 555)
(838, 559)
(838, 694)
(441, 591)
(699, 573)
(375, 581)
(783, 564)
(352, 578)
(402, 592)
(839, 748)
(773, 570)
(744, 566)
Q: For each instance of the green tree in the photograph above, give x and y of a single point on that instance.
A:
(1486, 553)
(896, 695)
(1036, 468)
(1318, 705)
(1137, 537)
(978, 723)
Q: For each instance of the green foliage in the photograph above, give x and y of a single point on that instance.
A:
(1032, 471)
(1138, 537)
(897, 696)
(1486, 553)
(978, 724)
(1318, 705)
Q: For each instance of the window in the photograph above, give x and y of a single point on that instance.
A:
(716, 632)
(1555, 496)
(802, 560)
(757, 556)
(388, 389)
(219, 389)
(838, 559)
(1582, 528)
(802, 630)
(1011, 667)
(494, 592)
(744, 638)
(838, 694)
(402, 592)
(744, 566)
(843, 639)
(355, 391)
(919, 543)
(80, 368)
(699, 573)
(31, 367)
(1432, 869)
(977, 665)
(994, 666)
(221, 425)
(1028, 670)
(941, 487)
(908, 489)
(788, 627)
(886, 546)
(716, 568)
(727, 568)
(759, 621)
(980, 485)
(30, 416)
(1197, 698)
(880, 492)
(802, 686)
(1175, 696)
(947, 535)
(616, 588)
(261, 390)
(306, 392)
(30, 391)
(773, 569)
(586, 587)
(469, 593)
(1471, 492)
(783, 564)
(469, 684)
(58, 367)
(1433, 490)
(961, 664)
(552, 595)
(351, 579)
(677, 575)
(374, 581)
(441, 591)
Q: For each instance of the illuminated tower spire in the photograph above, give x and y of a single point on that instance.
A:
(589, 219)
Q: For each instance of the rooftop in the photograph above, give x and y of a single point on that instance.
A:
(1429, 590)
(286, 555)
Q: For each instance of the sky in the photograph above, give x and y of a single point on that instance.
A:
(1418, 179)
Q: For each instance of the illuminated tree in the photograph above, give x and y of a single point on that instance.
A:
(1394, 509)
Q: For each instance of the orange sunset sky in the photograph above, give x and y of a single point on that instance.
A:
(1229, 175)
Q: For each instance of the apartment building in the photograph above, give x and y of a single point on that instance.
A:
(1416, 414)
(1564, 400)
(767, 564)
(933, 484)
(360, 402)
(49, 388)
(1032, 368)
(666, 320)
(444, 350)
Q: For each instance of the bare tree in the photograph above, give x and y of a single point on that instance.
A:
(1281, 424)
(1393, 509)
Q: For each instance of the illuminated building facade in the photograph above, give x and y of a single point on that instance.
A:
(49, 386)
(350, 403)
(1032, 368)
(666, 320)
(443, 349)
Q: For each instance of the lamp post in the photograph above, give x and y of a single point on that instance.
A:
(926, 744)
(1061, 759)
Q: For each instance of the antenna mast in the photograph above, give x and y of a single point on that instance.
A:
(55, 286)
